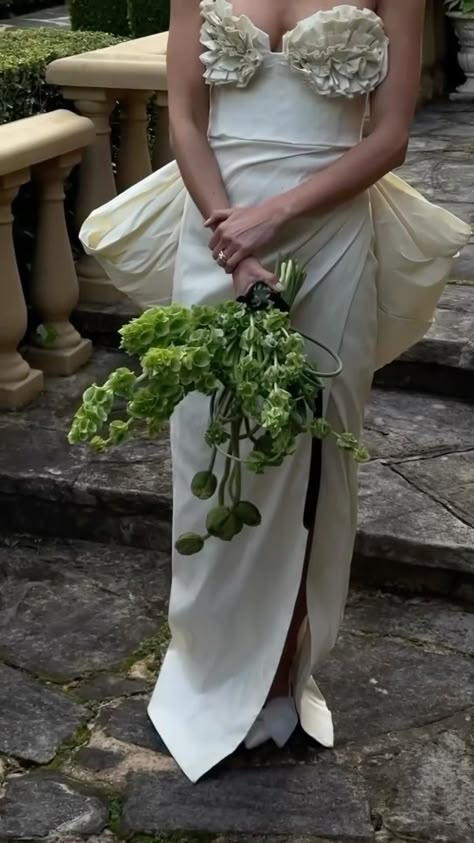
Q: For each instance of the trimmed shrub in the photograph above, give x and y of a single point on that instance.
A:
(100, 16)
(148, 16)
(21, 7)
(24, 57)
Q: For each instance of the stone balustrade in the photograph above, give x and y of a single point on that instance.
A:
(44, 149)
(128, 74)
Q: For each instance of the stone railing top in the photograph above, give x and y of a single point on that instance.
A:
(43, 137)
(138, 65)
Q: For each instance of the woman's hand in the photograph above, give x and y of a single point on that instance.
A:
(249, 272)
(241, 232)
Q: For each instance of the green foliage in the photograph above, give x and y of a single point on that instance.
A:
(100, 16)
(464, 7)
(249, 361)
(115, 814)
(24, 57)
(147, 17)
(121, 17)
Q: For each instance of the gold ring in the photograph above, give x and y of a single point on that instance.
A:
(221, 258)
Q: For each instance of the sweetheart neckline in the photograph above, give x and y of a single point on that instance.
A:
(303, 20)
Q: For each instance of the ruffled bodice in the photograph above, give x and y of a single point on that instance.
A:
(341, 52)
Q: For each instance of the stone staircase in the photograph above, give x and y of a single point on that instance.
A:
(84, 563)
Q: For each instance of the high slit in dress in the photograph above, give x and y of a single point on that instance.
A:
(376, 267)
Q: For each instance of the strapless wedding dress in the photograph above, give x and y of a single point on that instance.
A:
(376, 267)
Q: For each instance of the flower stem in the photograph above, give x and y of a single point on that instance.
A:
(225, 476)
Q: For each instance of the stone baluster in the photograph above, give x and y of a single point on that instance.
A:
(18, 383)
(134, 156)
(56, 347)
(97, 186)
(162, 152)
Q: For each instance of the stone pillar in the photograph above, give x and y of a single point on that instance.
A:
(97, 186)
(18, 383)
(134, 156)
(162, 152)
(56, 348)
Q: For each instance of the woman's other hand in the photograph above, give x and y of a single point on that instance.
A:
(241, 232)
(249, 272)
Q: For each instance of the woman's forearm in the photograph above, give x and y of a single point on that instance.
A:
(355, 171)
(198, 167)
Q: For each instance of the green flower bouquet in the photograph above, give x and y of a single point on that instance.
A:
(262, 389)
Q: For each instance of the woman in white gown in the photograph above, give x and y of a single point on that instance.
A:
(267, 103)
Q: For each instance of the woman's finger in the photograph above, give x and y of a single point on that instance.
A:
(217, 217)
(233, 260)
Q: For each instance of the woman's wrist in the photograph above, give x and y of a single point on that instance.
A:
(280, 210)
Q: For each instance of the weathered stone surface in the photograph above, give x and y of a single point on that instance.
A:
(103, 322)
(140, 575)
(69, 610)
(129, 722)
(39, 805)
(448, 342)
(69, 628)
(376, 685)
(324, 800)
(449, 479)
(106, 837)
(446, 176)
(34, 720)
(423, 790)
(397, 521)
(401, 424)
(64, 486)
(444, 120)
(444, 625)
(108, 686)
(98, 760)
(56, 406)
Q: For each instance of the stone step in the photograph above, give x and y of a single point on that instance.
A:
(442, 363)
(82, 639)
(416, 501)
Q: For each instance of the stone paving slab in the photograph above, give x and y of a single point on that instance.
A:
(34, 719)
(36, 806)
(66, 612)
(402, 523)
(448, 479)
(442, 625)
(421, 786)
(324, 800)
(401, 686)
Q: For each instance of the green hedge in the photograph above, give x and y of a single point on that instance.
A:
(121, 17)
(100, 16)
(148, 16)
(24, 57)
(22, 7)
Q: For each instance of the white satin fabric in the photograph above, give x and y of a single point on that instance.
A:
(376, 267)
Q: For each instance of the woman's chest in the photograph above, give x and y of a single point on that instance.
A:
(341, 50)
(278, 17)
